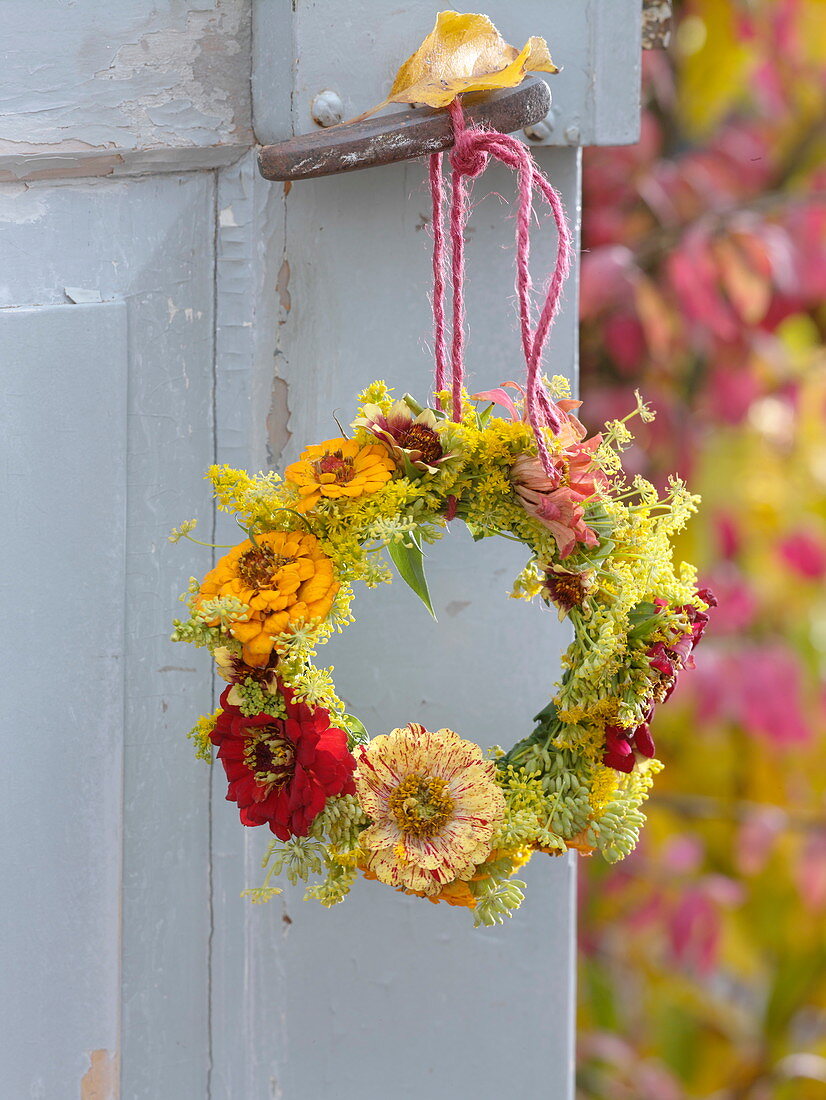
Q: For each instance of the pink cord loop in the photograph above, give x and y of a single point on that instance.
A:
(472, 150)
(467, 158)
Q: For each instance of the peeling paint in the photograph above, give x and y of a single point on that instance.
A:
(200, 105)
(167, 76)
(101, 1079)
(278, 421)
(64, 166)
(19, 208)
(59, 166)
(82, 295)
(282, 289)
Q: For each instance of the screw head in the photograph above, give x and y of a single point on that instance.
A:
(327, 108)
(542, 130)
(572, 135)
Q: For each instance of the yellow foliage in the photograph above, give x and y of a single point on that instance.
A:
(465, 53)
(717, 63)
(714, 64)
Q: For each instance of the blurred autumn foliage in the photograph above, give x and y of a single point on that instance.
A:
(703, 964)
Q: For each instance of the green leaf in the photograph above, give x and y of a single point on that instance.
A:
(357, 734)
(643, 612)
(412, 404)
(603, 551)
(409, 561)
(597, 518)
(410, 471)
(483, 417)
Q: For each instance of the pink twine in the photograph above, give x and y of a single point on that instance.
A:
(437, 194)
(469, 158)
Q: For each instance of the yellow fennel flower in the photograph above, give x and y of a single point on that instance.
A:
(434, 807)
(339, 468)
(283, 577)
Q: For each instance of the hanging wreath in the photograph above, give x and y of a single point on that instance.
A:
(426, 811)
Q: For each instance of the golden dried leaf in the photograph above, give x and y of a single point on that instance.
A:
(465, 53)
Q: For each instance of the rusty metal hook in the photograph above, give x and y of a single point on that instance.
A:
(401, 136)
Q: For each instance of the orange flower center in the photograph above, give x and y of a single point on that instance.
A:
(421, 804)
(270, 757)
(336, 464)
(418, 437)
(257, 567)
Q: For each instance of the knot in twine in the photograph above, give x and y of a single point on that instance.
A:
(473, 148)
(468, 157)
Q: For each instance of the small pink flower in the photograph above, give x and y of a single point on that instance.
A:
(556, 498)
(683, 854)
(805, 554)
(728, 536)
(419, 439)
(770, 695)
(696, 920)
(562, 514)
(810, 872)
(557, 507)
(738, 603)
(584, 476)
(528, 473)
(756, 838)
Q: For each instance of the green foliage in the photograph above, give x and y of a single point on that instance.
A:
(497, 894)
(408, 558)
(704, 971)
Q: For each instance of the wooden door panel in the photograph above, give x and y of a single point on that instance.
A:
(63, 448)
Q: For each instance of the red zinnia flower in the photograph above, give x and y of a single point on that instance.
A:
(623, 746)
(281, 771)
(669, 659)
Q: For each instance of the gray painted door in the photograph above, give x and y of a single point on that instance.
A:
(161, 308)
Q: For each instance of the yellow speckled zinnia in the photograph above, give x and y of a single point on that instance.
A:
(339, 468)
(283, 577)
(434, 806)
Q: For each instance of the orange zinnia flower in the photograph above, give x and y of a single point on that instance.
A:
(283, 577)
(339, 468)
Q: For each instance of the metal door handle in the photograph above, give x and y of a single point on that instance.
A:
(401, 136)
